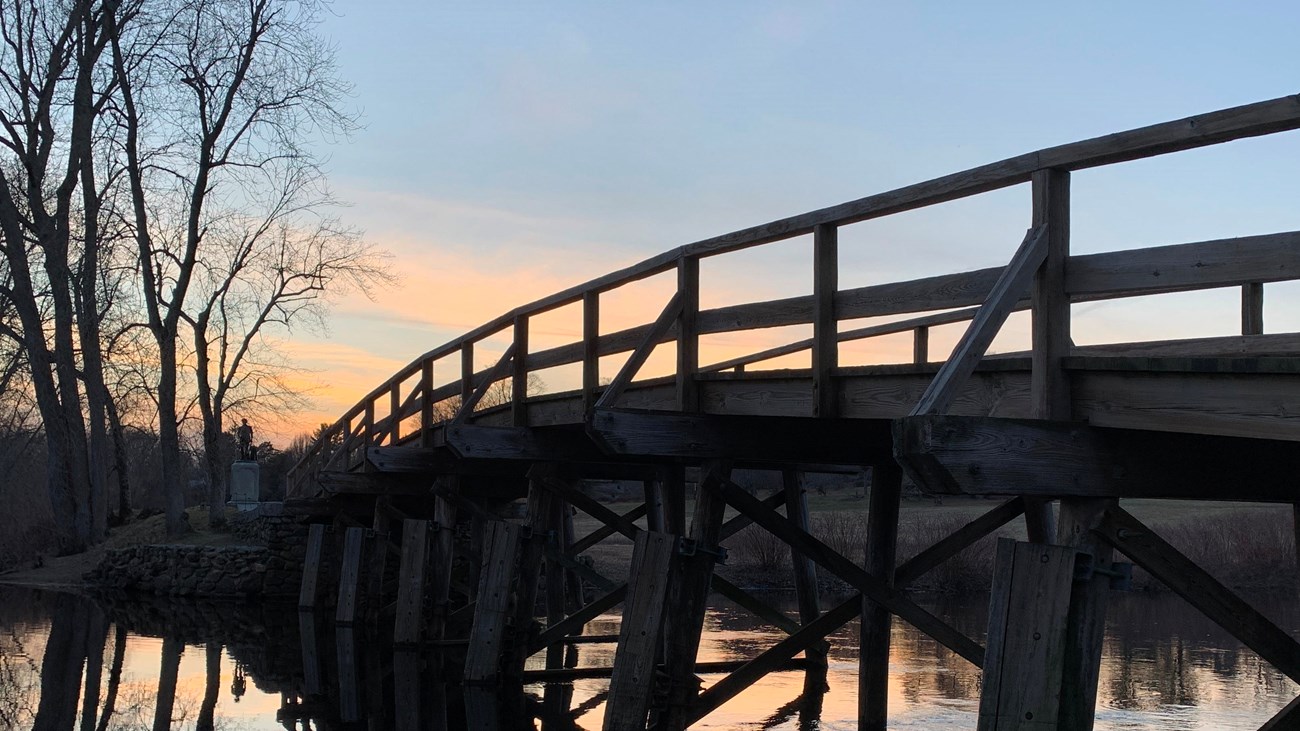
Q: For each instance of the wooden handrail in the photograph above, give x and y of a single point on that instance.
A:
(1088, 277)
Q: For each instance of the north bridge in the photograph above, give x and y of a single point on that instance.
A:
(418, 461)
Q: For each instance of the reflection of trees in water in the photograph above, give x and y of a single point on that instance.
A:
(69, 689)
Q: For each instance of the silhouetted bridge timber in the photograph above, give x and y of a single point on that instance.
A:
(1207, 418)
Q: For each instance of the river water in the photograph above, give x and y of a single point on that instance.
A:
(68, 662)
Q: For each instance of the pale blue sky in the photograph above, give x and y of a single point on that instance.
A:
(519, 147)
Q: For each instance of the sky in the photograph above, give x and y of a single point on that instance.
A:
(508, 150)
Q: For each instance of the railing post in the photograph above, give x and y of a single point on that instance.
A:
(825, 352)
(367, 433)
(921, 345)
(466, 371)
(519, 374)
(394, 414)
(426, 403)
(1252, 308)
(590, 348)
(688, 337)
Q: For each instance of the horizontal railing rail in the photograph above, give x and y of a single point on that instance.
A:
(410, 394)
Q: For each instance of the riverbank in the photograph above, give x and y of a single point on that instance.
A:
(68, 572)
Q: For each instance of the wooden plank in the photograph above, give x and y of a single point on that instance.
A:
(639, 633)
(1053, 459)
(826, 557)
(426, 403)
(667, 318)
(688, 595)
(372, 483)
(466, 371)
(825, 352)
(745, 676)
(487, 635)
(309, 589)
(653, 504)
(1259, 405)
(411, 582)
(519, 374)
(590, 349)
(350, 575)
(769, 439)
(1085, 630)
(377, 563)
(881, 559)
(921, 345)
(970, 349)
(1252, 306)
(1280, 344)
(444, 515)
(1216, 601)
(532, 548)
(568, 443)
(1200, 265)
(1021, 682)
(1050, 389)
(556, 575)
(952, 544)
(688, 336)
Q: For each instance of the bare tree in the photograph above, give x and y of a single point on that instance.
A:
(272, 274)
(51, 98)
(213, 93)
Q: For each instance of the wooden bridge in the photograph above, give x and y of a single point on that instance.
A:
(1208, 418)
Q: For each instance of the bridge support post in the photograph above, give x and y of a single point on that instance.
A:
(805, 574)
(444, 514)
(688, 598)
(1025, 657)
(882, 545)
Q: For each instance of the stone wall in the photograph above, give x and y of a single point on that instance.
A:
(269, 564)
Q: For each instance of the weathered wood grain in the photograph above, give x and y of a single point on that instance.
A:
(1064, 459)
(639, 633)
(350, 575)
(771, 439)
(1026, 645)
(825, 350)
(1200, 265)
(407, 624)
(492, 607)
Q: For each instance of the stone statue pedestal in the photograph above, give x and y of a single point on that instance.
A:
(245, 485)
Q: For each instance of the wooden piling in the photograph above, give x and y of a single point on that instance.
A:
(408, 622)
(881, 556)
(689, 596)
(309, 589)
(805, 570)
(444, 512)
(1026, 641)
(350, 575)
(492, 607)
(632, 682)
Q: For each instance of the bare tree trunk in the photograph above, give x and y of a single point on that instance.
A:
(122, 468)
(96, 636)
(61, 666)
(114, 677)
(169, 442)
(171, 664)
(210, 408)
(211, 688)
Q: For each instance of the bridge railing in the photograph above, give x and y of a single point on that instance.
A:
(411, 398)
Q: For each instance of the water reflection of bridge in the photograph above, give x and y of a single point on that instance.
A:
(417, 460)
